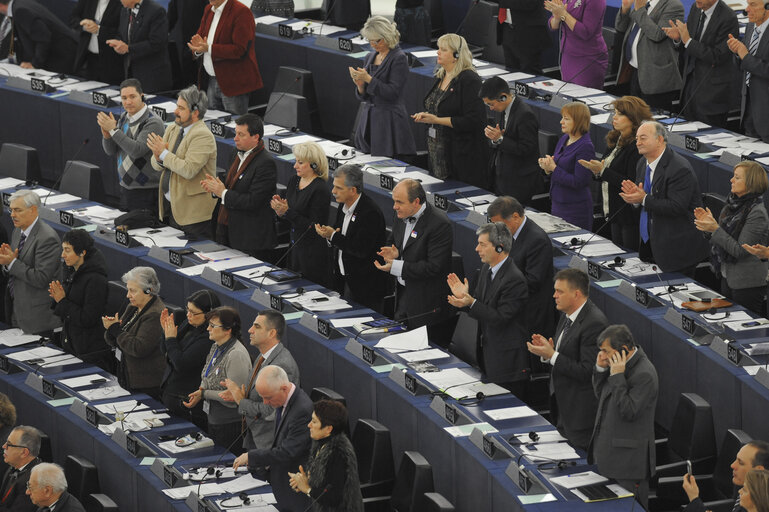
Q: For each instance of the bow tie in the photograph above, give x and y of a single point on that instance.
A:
(411, 219)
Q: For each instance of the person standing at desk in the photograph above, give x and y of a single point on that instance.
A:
(583, 57)
(383, 127)
(143, 44)
(570, 181)
(185, 156)
(245, 220)
(307, 203)
(31, 262)
(521, 32)
(96, 21)
(456, 115)
(183, 22)
(127, 138)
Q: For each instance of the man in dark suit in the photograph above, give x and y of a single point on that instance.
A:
(245, 220)
(532, 253)
(41, 40)
(183, 22)
(225, 42)
(357, 235)
(20, 452)
(753, 59)
(265, 334)
(572, 356)
(419, 256)
(32, 261)
(496, 299)
(752, 455)
(48, 490)
(668, 193)
(96, 21)
(626, 385)
(706, 60)
(291, 447)
(521, 32)
(143, 43)
(514, 141)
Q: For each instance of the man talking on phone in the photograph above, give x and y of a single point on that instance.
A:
(626, 385)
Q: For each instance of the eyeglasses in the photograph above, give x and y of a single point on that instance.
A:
(11, 445)
(194, 313)
(214, 326)
(375, 41)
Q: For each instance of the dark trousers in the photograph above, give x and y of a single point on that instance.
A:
(226, 435)
(750, 298)
(139, 199)
(520, 55)
(195, 231)
(691, 108)
(626, 235)
(663, 100)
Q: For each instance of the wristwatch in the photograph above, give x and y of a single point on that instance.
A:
(563, 17)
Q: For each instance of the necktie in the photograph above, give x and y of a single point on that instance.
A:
(178, 141)
(700, 26)
(644, 226)
(502, 16)
(131, 18)
(278, 416)
(752, 50)
(737, 507)
(5, 28)
(11, 279)
(566, 325)
(259, 363)
(487, 287)
(166, 179)
(631, 39)
(8, 482)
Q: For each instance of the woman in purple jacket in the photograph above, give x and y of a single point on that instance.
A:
(570, 194)
(584, 58)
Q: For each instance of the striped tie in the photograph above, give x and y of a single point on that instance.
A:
(752, 50)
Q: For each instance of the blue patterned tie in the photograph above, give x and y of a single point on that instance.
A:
(752, 50)
(631, 39)
(11, 279)
(644, 226)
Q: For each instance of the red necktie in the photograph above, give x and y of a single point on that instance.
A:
(502, 15)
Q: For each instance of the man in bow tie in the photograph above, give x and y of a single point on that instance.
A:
(20, 453)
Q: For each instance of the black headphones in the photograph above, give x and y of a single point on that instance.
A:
(243, 497)
(459, 49)
(142, 97)
(498, 246)
(618, 262)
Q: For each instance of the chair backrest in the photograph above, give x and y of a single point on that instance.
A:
(373, 448)
(547, 142)
(326, 394)
(414, 478)
(296, 81)
(465, 340)
(82, 179)
(435, 502)
(20, 162)
(99, 503)
(116, 297)
(46, 451)
(722, 474)
(478, 27)
(82, 477)
(691, 433)
(289, 111)
(715, 202)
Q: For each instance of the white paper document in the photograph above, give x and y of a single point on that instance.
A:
(16, 337)
(9, 183)
(35, 353)
(579, 479)
(421, 177)
(748, 325)
(259, 503)
(515, 77)
(124, 406)
(351, 321)
(471, 390)
(448, 378)
(548, 436)
(91, 395)
(82, 381)
(466, 430)
(410, 340)
(424, 53)
(509, 413)
(242, 484)
(424, 355)
(549, 451)
(181, 493)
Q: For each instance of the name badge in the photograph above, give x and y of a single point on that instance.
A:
(352, 219)
(431, 132)
(206, 406)
(413, 234)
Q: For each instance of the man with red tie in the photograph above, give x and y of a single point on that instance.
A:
(522, 32)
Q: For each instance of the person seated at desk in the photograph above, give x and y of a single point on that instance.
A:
(743, 221)
(20, 452)
(456, 115)
(135, 334)
(41, 39)
(619, 164)
(186, 348)
(383, 127)
(80, 301)
(7, 424)
(331, 478)
(570, 181)
(47, 488)
(307, 202)
(291, 446)
(31, 262)
(754, 495)
(751, 456)
(227, 359)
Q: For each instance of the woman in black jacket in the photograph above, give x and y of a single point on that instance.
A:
(619, 164)
(80, 299)
(456, 144)
(186, 348)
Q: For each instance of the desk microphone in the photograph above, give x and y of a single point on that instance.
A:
(606, 223)
(565, 83)
(66, 168)
(285, 255)
(460, 194)
(403, 321)
(669, 287)
(694, 95)
(312, 504)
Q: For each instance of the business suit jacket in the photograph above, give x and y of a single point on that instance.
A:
(32, 271)
(290, 448)
(67, 503)
(17, 499)
(709, 60)
(657, 59)
(529, 19)
(623, 437)
(183, 22)
(622, 167)
(194, 159)
(251, 221)
(232, 50)
(147, 58)
(532, 253)
(499, 308)
(676, 244)
(46, 42)
(748, 271)
(262, 430)
(464, 141)
(383, 111)
(758, 66)
(426, 263)
(572, 373)
(516, 171)
(110, 63)
(365, 236)
(570, 182)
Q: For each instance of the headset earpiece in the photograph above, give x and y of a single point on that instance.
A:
(147, 291)
(459, 49)
(313, 166)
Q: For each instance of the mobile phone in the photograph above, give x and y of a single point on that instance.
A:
(166, 437)
(689, 467)
(99, 380)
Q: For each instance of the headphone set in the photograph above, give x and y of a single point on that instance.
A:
(314, 167)
(459, 49)
(244, 500)
(618, 262)
(498, 245)
(147, 291)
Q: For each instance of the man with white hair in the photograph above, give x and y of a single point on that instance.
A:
(47, 488)
(32, 262)
(291, 447)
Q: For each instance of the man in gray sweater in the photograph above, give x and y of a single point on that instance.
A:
(126, 137)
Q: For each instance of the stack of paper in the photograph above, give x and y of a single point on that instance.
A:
(405, 341)
(16, 337)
